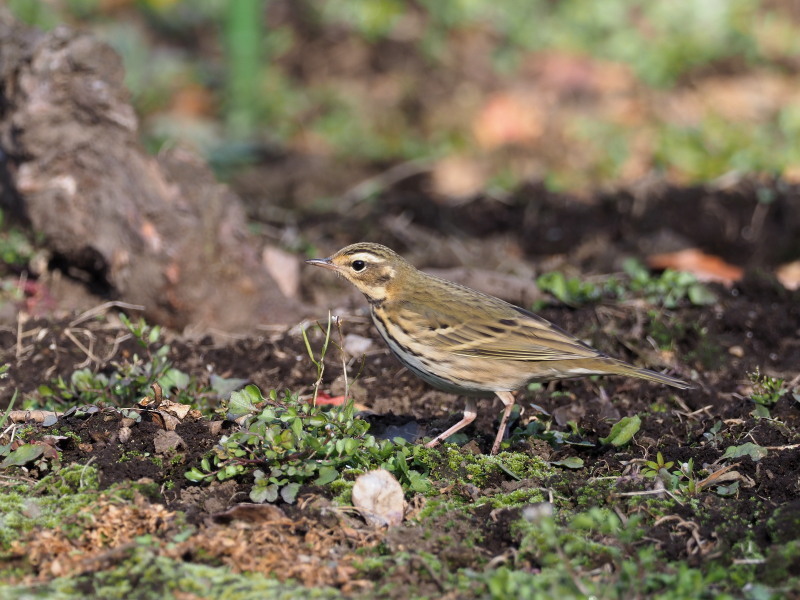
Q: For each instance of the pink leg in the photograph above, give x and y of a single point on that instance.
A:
(469, 416)
(506, 398)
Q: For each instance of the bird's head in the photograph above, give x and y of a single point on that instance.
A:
(372, 268)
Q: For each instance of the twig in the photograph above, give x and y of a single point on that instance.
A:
(90, 357)
(384, 180)
(101, 308)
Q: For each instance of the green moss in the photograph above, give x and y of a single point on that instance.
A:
(59, 500)
(595, 493)
(342, 491)
(781, 561)
(451, 463)
(517, 498)
(144, 576)
(51, 503)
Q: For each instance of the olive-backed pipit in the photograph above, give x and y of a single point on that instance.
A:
(464, 341)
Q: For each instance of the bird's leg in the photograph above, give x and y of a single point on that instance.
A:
(469, 416)
(506, 398)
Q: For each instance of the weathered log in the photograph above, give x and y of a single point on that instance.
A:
(153, 230)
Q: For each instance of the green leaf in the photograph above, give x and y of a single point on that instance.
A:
(243, 401)
(326, 475)
(417, 482)
(754, 451)
(45, 391)
(623, 431)
(297, 427)
(225, 387)
(571, 462)
(174, 378)
(23, 455)
(195, 475)
(289, 492)
(350, 446)
(267, 493)
(727, 490)
(700, 295)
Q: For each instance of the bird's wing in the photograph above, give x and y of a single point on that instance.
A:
(512, 334)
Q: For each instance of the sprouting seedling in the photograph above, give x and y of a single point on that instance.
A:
(343, 354)
(319, 363)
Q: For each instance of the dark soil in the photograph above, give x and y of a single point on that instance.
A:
(754, 325)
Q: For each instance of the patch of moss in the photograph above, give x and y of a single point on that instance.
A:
(594, 493)
(781, 562)
(61, 494)
(451, 463)
(144, 576)
(342, 490)
(517, 498)
(59, 500)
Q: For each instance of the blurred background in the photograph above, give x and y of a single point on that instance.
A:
(586, 94)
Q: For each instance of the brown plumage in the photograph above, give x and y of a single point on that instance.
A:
(464, 341)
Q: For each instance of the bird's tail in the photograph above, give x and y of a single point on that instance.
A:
(622, 368)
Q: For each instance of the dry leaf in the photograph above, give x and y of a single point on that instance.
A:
(284, 268)
(705, 267)
(508, 119)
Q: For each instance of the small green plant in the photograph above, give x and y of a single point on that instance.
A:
(285, 443)
(569, 290)
(319, 363)
(669, 289)
(125, 382)
(683, 479)
(713, 435)
(766, 392)
(653, 468)
(15, 247)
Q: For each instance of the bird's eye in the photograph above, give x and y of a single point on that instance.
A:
(358, 265)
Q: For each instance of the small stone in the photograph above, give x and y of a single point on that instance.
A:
(357, 345)
(167, 442)
(123, 435)
(379, 498)
(736, 351)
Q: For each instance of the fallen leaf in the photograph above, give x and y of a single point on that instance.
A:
(705, 267)
(508, 118)
(284, 268)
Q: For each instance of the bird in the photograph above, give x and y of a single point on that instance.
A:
(464, 341)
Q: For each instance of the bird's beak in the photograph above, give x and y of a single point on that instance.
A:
(325, 263)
